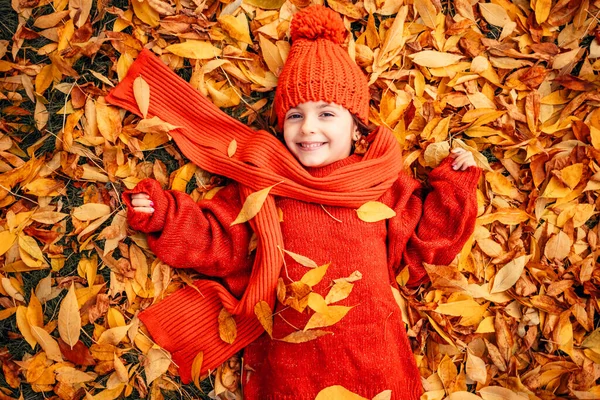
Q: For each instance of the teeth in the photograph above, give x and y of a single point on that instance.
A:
(311, 145)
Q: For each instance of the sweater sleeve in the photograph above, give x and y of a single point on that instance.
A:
(432, 227)
(186, 234)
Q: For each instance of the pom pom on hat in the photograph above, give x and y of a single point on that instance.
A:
(318, 22)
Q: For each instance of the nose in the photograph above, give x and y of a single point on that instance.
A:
(309, 125)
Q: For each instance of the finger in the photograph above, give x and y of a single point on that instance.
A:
(140, 196)
(142, 203)
(458, 165)
(456, 152)
(146, 210)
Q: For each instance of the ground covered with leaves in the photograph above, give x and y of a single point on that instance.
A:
(514, 82)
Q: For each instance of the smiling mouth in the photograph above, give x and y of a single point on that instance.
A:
(311, 145)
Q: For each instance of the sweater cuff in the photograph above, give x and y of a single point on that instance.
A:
(466, 180)
(147, 222)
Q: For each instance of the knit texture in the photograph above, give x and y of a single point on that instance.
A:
(186, 322)
(368, 351)
(318, 68)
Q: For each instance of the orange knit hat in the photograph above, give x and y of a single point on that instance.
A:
(318, 68)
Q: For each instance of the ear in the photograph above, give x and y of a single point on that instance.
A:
(355, 133)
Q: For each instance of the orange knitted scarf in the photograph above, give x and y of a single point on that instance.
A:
(261, 160)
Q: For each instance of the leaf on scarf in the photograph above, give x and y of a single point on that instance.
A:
(227, 326)
(252, 205)
(304, 336)
(194, 49)
(339, 291)
(300, 259)
(141, 93)
(265, 316)
(196, 368)
(69, 320)
(374, 211)
(232, 148)
(508, 275)
(47, 343)
(315, 275)
(155, 125)
(157, 364)
(337, 393)
(435, 59)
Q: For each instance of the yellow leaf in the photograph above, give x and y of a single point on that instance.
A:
(154, 125)
(224, 97)
(435, 153)
(183, 176)
(35, 315)
(461, 308)
(271, 55)
(435, 59)
(302, 260)
(123, 64)
(115, 318)
(85, 294)
(141, 93)
(558, 246)
(486, 326)
(47, 343)
(265, 316)
(337, 393)
(462, 396)
(44, 79)
(7, 312)
(494, 14)
(499, 393)
(227, 326)
(572, 174)
(72, 376)
(48, 217)
(501, 184)
(333, 315)
(374, 211)
(146, 13)
(120, 369)
(158, 364)
(542, 10)
(196, 368)
(69, 320)
(252, 205)
(114, 335)
(339, 291)
(79, 11)
(427, 11)
(30, 246)
(509, 274)
(232, 148)
(24, 326)
(475, 368)
(315, 275)
(108, 119)
(7, 239)
(266, 4)
(90, 211)
(317, 303)
(237, 28)
(556, 189)
(304, 336)
(194, 49)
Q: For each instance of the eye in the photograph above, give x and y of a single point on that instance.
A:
(294, 116)
(327, 114)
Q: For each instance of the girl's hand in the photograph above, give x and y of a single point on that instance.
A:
(142, 203)
(463, 159)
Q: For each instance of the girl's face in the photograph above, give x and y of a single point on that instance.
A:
(319, 133)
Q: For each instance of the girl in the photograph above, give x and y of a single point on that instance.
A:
(317, 184)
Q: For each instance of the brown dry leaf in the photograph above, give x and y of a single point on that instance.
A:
(374, 211)
(494, 14)
(157, 364)
(227, 327)
(90, 211)
(475, 368)
(558, 247)
(252, 205)
(304, 336)
(265, 316)
(154, 125)
(141, 92)
(508, 275)
(435, 59)
(113, 336)
(69, 320)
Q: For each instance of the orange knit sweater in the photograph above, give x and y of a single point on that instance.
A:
(369, 351)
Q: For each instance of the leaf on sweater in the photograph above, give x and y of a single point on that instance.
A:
(69, 320)
(252, 205)
(324, 315)
(374, 211)
(141, 93)
(265, 316)
(232, 148)
(337, 393)
(196, 368)
(227, 326)
(315, 275)
(304, 336)
(300, 259)
(339, 291)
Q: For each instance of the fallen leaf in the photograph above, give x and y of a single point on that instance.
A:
(508, 275)
(374, 211)
(69, 320)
